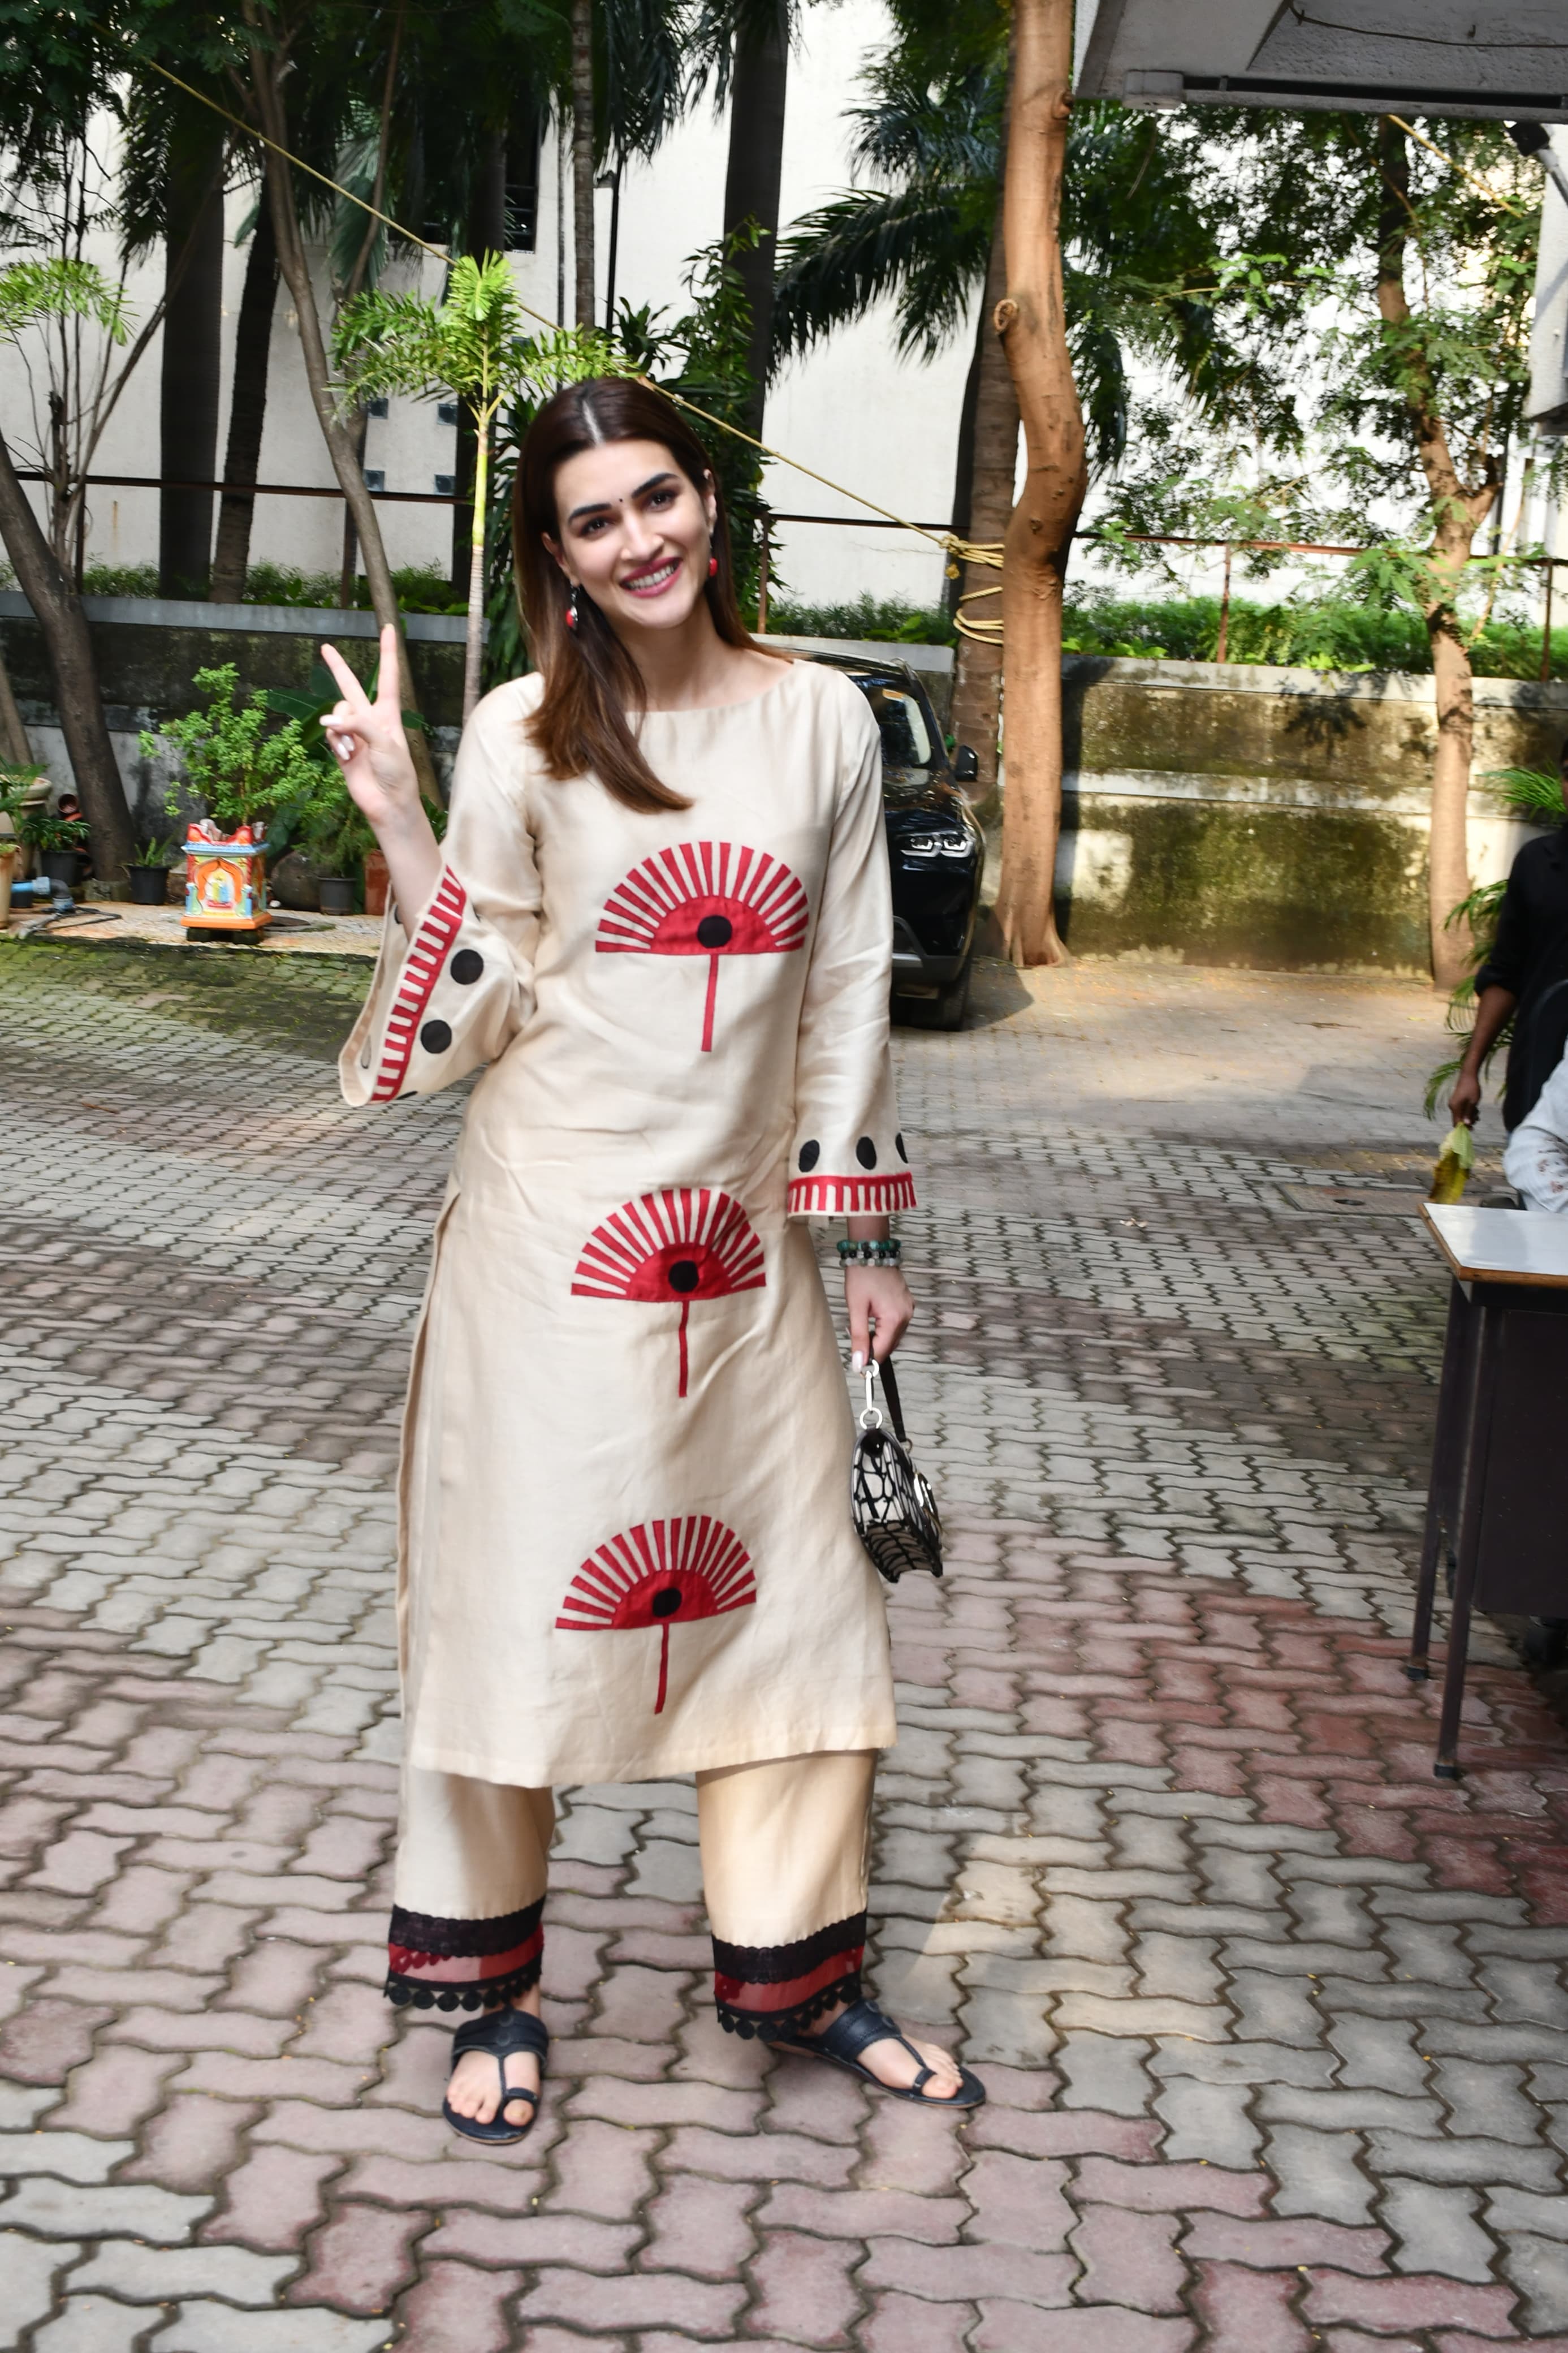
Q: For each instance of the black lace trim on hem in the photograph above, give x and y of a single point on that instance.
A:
(426, 1932)
(776, 1964)
(409, 1993)
(784, 2025)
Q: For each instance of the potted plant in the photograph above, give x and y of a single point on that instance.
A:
(248, 774)
(331, 849)
(58, 843)
(148, 869)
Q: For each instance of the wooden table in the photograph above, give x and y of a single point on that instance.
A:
(1496, 1507)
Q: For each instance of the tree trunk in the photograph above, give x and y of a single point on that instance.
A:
(74, 670)
(15, 748)
(759, 87)
(292, 261)
(193, 339)
(247, 412)
(484, 232)
(1032, 321)
(583, 162)
(1458, 514)
(993, 470)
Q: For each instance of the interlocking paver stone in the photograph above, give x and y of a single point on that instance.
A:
(1272, 2020)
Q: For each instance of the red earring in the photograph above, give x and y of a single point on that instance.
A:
(712, 567)
(572, 610)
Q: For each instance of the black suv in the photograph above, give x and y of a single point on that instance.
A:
(934, 843)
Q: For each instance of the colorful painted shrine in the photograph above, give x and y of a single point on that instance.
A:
(225, 880)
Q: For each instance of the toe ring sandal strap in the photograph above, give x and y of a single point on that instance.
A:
(500, 2033)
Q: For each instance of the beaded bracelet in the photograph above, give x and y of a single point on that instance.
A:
(871, 1253)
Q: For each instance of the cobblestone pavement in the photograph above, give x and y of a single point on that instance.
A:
(1272, 2021)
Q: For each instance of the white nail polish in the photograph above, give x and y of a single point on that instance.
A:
(858, 1360)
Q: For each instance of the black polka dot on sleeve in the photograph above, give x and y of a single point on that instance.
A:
(810, 1154)
(436, 1037)
(466, 965)
(866, 1152)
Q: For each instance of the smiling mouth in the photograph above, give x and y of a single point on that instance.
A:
(652, 584)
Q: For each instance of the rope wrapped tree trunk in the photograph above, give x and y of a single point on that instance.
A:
(1032, 322)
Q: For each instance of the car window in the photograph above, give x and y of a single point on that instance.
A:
(906, 738)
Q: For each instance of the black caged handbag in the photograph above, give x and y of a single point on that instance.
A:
(896, 1516)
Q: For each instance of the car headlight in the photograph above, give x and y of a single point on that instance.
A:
(936, 845)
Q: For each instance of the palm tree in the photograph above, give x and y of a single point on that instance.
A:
(743, 47)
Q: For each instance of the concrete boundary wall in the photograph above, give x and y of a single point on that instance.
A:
(1227, 813)
(1216, 813)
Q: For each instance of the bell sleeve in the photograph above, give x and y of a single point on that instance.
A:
(453, 994)
(848, 1156)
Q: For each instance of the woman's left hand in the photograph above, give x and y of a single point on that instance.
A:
(879, 1297)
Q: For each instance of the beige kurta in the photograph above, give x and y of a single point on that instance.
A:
(626, 1542)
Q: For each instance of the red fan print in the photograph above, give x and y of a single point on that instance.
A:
(705, 898)
(683, 1244)
(666, 1572)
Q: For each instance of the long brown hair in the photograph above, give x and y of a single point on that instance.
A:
(593, 688)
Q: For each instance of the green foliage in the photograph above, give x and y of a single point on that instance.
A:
(239, 763)
(158, 850)
(421, 587)
(1308, 631)
(879, 620)
(60, 289)
(34, 823)
(471, 343)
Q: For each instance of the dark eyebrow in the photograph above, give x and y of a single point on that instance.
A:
(602, 506)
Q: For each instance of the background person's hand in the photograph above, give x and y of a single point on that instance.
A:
(1465, 1101)
(367, 738)
(879, 1295)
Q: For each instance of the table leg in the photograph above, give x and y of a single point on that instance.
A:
(1472, 1492)
(1445, 1476)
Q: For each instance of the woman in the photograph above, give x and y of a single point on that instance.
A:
(661, 916)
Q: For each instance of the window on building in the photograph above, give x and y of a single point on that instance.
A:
(522, 149)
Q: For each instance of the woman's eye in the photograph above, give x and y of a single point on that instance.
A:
(665, 498)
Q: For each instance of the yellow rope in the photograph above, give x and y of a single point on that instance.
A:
(1433, 148)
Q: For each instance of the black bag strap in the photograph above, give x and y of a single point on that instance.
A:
(890, 1385)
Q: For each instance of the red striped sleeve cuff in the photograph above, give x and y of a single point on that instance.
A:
(850, 1196)
(427, 952)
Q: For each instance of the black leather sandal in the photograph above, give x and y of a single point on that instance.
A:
(502, 2033)
(855, 2031)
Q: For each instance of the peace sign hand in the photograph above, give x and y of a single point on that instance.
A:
(368, 739)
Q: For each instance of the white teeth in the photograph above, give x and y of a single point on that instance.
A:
(655, 579)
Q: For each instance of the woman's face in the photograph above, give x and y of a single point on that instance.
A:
(634, 533)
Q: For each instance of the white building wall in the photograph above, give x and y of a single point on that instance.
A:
(852, 410)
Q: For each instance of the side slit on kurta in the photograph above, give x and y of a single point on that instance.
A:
(625, 1479)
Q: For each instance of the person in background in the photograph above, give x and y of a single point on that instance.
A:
(1536, 1161)
(1526, 976)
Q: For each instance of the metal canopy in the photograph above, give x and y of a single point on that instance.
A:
(1376, 56)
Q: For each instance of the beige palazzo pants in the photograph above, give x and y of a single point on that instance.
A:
(784, 1849)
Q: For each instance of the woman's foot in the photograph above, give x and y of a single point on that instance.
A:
(893, 2062)
(475, 2088)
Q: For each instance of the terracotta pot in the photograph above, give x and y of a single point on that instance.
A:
(377, 881)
